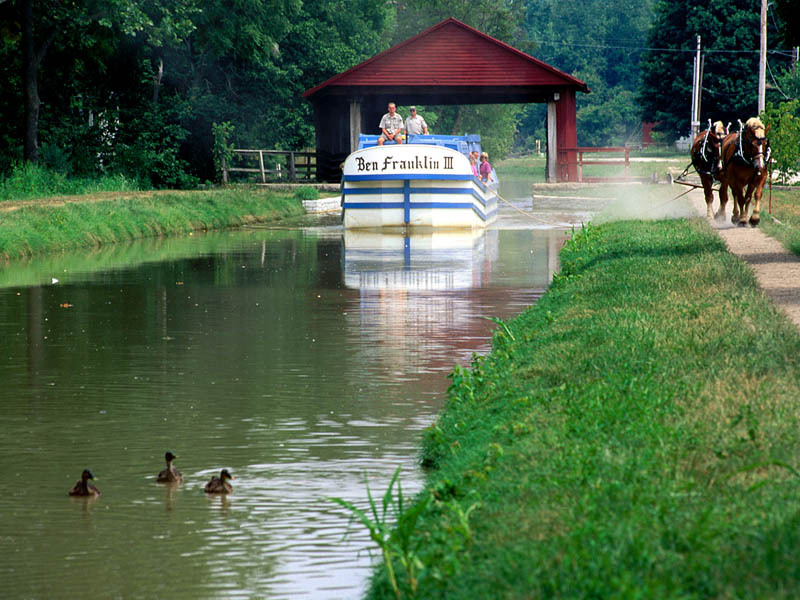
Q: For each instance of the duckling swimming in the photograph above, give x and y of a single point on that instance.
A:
(170, 474)
(83, 487)
(218, 485)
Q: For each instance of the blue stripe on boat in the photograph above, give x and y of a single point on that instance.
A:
(415, 205)
(410, 190)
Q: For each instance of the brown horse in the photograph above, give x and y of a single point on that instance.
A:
(745, 157)
(707, 160)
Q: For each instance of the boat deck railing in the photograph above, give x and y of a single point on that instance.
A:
(462, 143)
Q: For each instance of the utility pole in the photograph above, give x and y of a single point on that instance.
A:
(696, 78)
(762, 63)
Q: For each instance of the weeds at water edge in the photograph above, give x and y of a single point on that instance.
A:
(392, 528)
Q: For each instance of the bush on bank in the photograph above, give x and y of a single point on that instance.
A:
(633, 434)
(57, 224)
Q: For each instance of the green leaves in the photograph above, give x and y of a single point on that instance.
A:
(784, 137)
(392, 528)
(729, 33)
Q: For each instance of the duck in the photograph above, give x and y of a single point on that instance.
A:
(170, 474)
(82, 487)
(219, 485)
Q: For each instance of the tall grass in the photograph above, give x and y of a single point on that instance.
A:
(32, 181)
(635, 434)
(786, 209)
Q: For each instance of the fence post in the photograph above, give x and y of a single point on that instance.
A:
(627, 162)
(224, 171)
(261, 163)
(292, 172)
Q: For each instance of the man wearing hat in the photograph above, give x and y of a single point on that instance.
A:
(415, 124)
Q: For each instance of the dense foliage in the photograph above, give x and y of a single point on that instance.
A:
(132, 88)
(730, 43)
(135, 87)
(600, 43)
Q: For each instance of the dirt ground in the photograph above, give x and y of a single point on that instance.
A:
(777, 269)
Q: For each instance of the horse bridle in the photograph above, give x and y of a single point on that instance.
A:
(760, 142)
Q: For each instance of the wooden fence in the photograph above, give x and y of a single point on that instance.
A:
(274, 165)
(565, 155)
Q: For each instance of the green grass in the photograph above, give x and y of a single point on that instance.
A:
(658, 165)
(635, 434)
(785, 208)
(31, 181)
(531, 166)
(73, 222)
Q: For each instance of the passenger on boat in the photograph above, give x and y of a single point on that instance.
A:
(415, 124)
(485, 168)
(391, 126)
(473, 162)
(474, 154)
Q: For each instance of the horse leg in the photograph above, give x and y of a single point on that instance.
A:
(755, 218)
(723, 203)
(709, 194)
(740, 206)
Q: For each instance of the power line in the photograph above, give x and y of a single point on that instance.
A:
(778, 51)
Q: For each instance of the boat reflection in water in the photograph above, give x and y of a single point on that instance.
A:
(435, 260)
(424, 297)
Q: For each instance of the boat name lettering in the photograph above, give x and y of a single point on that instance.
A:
(416, 163)
(363, 165)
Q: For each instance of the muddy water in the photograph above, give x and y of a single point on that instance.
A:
(303, 360)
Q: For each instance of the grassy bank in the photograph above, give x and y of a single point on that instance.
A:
(59, 223)
(785, 208)
(634, 435)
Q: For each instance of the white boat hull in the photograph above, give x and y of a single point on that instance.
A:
(414, 185)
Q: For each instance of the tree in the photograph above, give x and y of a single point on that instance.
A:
(248, 64)
(43, 21)
(598, 42)
(134, 86)
(729, 31)
(788, 12)
(784, 137)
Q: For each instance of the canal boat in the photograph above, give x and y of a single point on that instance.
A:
(427, 182)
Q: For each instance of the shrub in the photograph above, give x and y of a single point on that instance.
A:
(784, 137)
(306, 192)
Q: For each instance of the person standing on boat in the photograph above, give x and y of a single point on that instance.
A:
(473, 162)
(415, 124)
(391, 126)
(485, 168)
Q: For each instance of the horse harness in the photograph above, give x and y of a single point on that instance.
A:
(710, 162)
(739, 155)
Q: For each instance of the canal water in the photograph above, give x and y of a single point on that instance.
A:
(304, 359)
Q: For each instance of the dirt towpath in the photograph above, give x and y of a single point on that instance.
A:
(777, 269)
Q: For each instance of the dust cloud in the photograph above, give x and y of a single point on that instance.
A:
(645, 202)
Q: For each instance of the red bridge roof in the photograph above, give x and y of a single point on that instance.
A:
(451, 54)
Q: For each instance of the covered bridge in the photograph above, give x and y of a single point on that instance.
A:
(450, 63)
